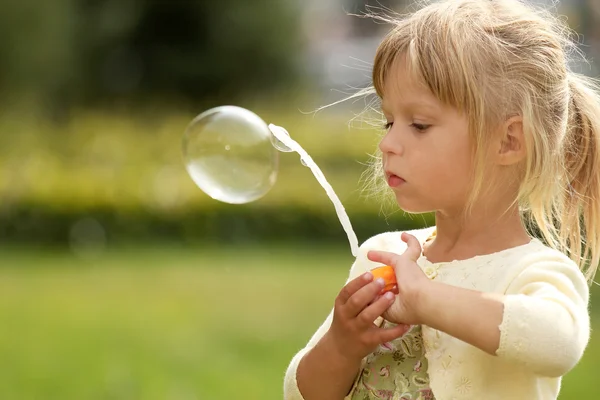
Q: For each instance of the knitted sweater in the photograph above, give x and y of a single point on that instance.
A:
(543, 334)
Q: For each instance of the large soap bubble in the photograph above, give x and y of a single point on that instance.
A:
(233, 156)
(228, 152)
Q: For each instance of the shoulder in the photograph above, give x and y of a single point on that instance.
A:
(391, 241)
(543, 265)
(387, 241)
(538, 254)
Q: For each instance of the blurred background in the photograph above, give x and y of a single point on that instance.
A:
(119, 278)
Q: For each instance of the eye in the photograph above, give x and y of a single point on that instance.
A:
(387, 125)
(420, 127)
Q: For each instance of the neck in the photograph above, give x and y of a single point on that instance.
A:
(482, 232)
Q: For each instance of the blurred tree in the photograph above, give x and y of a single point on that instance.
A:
(366, 26)
(87, 52)
(191, 49)
(36, 57)
(583, 17)
(591, 12)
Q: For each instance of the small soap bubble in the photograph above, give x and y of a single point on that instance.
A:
(229, 153)
(278, 144)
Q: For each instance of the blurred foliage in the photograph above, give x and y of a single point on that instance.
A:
(90, 141)
(126, 175)
(89, 52)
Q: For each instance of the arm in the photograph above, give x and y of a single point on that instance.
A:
(318, 366)
(468, 315)
(325, 368)
(324, 373)
(541, 321)
(546, 325)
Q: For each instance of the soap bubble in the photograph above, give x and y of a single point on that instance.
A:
(229, 153)
(278, 144)
(233, 156)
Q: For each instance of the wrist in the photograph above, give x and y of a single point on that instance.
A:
(422, 300)
(338, 356)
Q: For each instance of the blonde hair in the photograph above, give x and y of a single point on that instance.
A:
(493, 60)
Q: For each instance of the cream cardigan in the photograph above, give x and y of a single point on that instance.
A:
(544, 331)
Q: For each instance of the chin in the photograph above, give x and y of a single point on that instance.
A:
(413, 206)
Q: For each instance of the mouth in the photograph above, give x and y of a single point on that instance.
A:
(393, 180)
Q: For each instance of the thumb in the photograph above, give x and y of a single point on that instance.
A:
(413, 251)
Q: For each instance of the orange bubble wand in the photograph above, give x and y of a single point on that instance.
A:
(389, 277)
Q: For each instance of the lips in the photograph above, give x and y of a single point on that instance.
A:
(394, 180)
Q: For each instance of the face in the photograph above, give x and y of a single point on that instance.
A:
(426, 150)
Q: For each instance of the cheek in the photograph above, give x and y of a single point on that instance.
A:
(459, 180)
(449, 171)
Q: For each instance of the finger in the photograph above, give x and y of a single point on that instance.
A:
(376, 309)
(362, 298)
(383, 257)
(351, 287)
(377, 298)
(388, 334)
(413, 250)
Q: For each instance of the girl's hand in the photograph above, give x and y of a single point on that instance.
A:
(353, 333)
(411, 281)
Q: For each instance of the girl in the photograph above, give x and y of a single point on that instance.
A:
(488, 128)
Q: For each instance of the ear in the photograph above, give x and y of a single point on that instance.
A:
(511, 148)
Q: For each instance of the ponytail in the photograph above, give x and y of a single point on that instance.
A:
(578, 211)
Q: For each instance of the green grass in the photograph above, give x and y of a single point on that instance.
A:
(173, 323)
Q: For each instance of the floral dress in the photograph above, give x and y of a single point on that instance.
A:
(396, 370)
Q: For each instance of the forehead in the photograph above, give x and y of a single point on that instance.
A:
(403, 88)
(388, 106)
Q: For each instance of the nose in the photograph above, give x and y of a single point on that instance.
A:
(390, 143)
